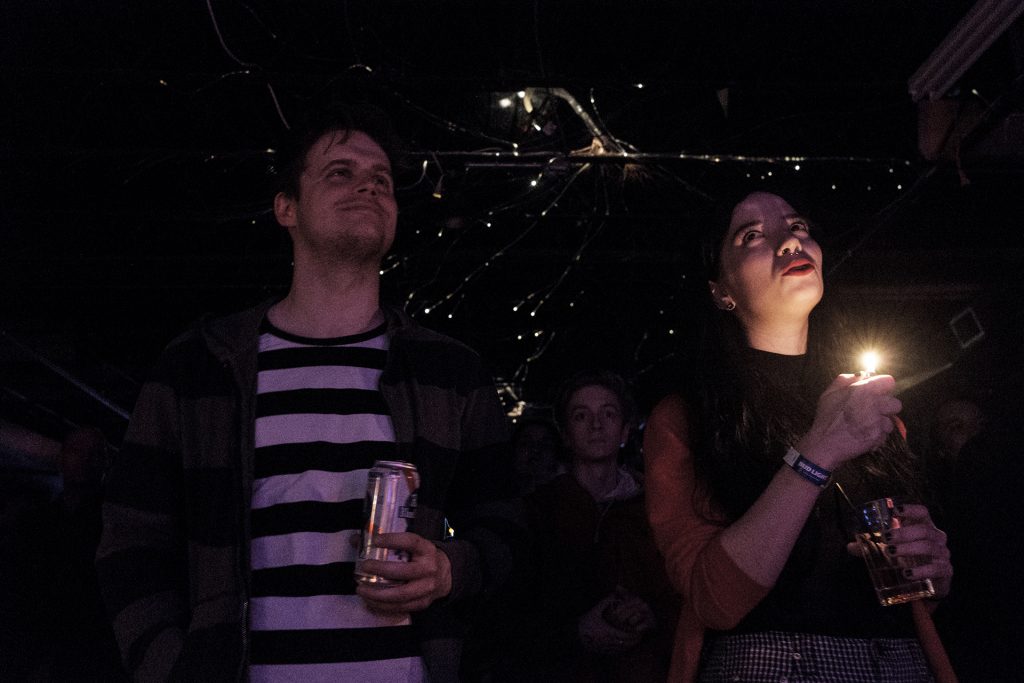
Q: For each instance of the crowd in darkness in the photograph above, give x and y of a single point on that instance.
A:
(707, 537)
(56, 629)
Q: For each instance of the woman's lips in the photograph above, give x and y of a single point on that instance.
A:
(799, 266)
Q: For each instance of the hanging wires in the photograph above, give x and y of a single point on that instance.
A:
(240, 62)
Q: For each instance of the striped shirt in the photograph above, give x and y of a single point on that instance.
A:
(321, 422)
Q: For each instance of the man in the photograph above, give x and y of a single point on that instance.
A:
(597, 605)
(227, 547)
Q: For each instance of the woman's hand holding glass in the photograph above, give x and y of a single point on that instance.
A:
(854, 416)
(918, 538)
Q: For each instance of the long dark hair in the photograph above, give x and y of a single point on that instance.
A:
(748, 418)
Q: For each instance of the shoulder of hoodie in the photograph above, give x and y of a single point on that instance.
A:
(217, 336)
(403, 328)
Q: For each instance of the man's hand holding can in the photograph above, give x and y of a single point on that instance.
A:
(413, 585)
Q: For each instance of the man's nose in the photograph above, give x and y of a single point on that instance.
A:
(367, 185)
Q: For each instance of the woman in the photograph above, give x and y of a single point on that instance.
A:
(758, 548)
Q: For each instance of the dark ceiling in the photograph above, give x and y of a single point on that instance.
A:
(136, 164)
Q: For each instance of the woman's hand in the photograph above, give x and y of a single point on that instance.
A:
(921, 546)
(854, 416)
(918, 547)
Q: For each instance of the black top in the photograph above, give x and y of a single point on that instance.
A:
(823, 589)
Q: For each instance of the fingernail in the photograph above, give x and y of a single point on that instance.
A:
(891, 549)
(909, 573)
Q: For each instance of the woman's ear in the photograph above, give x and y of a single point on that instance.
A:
(721, 299)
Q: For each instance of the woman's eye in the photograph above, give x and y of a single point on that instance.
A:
(799, 226)
(749, 236)
(341, 172)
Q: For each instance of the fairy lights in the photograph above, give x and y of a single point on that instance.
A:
(547, 307)
(522, 221)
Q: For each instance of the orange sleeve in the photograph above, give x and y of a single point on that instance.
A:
(711, 584)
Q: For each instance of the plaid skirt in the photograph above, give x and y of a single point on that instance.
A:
(780, 657)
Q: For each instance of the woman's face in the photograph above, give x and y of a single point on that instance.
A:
(769, 265)
(595, 426)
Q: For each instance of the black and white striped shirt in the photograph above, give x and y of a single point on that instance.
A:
(321, 422)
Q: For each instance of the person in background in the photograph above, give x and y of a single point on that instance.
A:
(601, 608)
(956, 422)
(749, 475)
(54, 627)
(984, 613)
(226, 551)
(535, 446)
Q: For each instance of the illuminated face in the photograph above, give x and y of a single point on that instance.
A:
(345, 209)
(770, 266)
(595, 426)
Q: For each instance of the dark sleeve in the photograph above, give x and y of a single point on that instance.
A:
(140, 560)
(489, 544)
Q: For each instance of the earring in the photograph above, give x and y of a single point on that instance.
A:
(731, 305)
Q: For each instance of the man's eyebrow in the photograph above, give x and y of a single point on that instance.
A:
(346, 161)
(609, 404)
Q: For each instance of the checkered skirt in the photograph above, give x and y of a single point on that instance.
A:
(779, 657)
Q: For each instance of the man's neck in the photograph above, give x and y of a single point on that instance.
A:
(340, 304)
(598, 478)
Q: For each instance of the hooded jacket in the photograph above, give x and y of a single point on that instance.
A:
(173, 560)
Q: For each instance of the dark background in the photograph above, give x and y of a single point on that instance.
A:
(136, 164)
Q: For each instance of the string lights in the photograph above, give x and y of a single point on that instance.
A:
(547, 217)
(654, 342)
(532, 190)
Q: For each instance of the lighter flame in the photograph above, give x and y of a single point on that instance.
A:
(869, 361)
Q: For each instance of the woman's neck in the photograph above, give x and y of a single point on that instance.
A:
(789, 339)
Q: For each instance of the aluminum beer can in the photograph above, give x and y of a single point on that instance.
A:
(389, 507)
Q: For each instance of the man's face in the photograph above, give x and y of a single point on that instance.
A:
(956, 423)
(595, 426)
(536, 453)
(345, 210)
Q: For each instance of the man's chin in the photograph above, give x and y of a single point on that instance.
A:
(354, 250)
